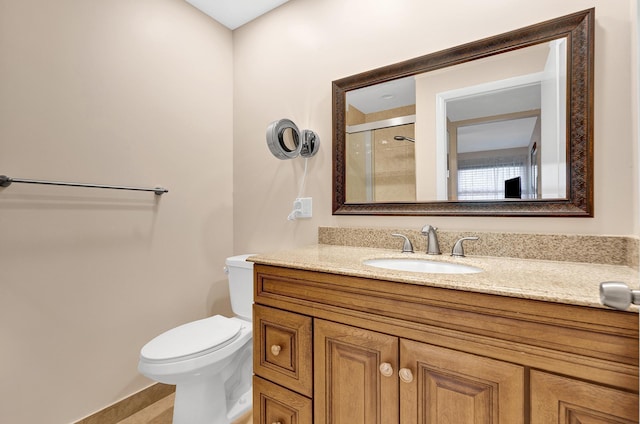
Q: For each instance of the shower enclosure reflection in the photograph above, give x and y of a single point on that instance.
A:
(381, 161)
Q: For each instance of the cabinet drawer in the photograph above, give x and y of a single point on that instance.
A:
(282, 348)
(275, 404)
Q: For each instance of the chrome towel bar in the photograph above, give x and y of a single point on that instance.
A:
(7, 181)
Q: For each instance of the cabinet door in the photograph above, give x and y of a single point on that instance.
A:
(350, 386)
(273, 404)
(440, 386)
(562, 400)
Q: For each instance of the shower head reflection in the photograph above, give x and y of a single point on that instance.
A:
(401, 137)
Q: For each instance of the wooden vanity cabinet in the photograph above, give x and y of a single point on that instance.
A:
(360, 351)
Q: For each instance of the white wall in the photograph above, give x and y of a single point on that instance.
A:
(114, 92)
(284, 65)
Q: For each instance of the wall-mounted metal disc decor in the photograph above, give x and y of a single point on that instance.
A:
(285, 141)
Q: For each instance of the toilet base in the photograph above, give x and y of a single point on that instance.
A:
(241, 407)
(201, 404)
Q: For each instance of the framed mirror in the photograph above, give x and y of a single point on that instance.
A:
(498, 127)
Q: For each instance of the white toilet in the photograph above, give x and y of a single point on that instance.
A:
(209, 360)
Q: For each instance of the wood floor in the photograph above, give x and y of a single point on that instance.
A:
(161, 412)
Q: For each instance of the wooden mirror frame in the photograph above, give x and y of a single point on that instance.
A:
(578, 28)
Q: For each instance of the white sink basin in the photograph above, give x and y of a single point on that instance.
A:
(422, 265)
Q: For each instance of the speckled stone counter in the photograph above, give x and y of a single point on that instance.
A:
(554, 281)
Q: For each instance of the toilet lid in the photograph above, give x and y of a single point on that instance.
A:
(192, 339)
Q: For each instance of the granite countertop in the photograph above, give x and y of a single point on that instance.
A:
(554, 281)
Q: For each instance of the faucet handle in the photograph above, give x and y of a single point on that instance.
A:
(407, 247)
(458, 250)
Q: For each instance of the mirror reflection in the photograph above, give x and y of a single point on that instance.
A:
(489, 129)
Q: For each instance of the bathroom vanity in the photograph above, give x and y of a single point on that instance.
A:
(336, 341)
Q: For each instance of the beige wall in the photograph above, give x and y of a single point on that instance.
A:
(116, 92)
(284, 65)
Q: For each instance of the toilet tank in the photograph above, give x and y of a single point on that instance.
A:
(240, 277)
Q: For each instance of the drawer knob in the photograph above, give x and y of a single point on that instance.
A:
(275, 349)
(277, 422)
(405, 375)
(386, 369)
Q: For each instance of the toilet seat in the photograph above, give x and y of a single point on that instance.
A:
(192, 340)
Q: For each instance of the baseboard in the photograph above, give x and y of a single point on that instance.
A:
(129, 406)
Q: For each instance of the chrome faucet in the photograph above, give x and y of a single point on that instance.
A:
(433, 248)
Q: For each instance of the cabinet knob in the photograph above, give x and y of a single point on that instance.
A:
(405, 375)
(275, 349)
(386, 369)
(276, 422)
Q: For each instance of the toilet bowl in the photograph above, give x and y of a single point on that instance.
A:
(209, 360)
